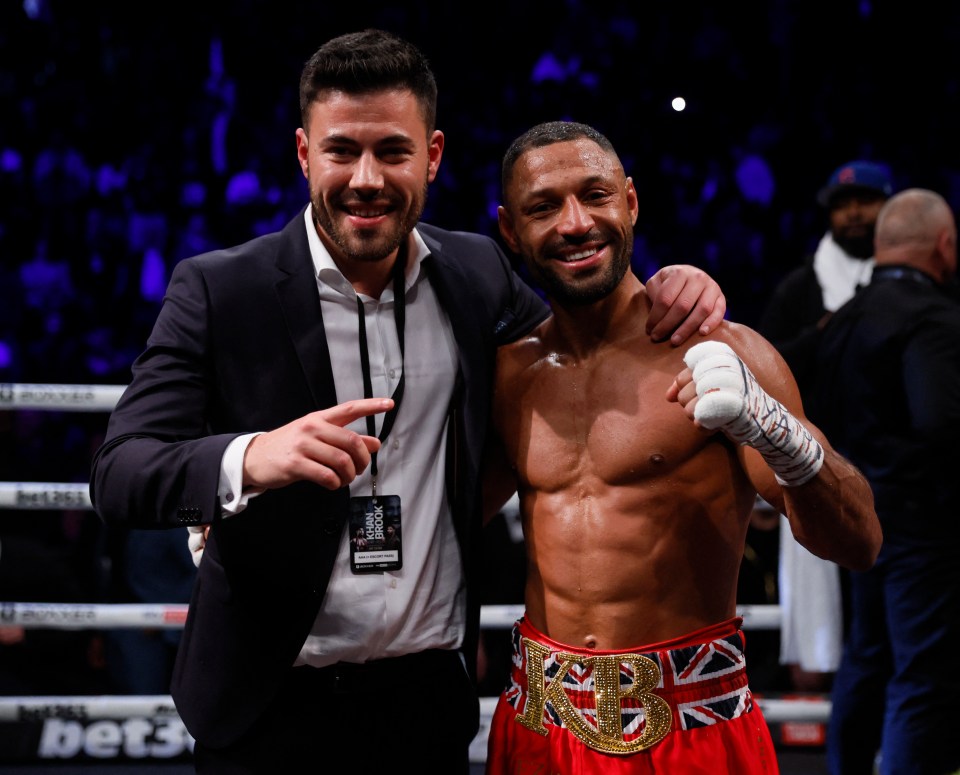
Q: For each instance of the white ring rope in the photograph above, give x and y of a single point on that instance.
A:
(87, 708)
(81, 616)
(60, 398)
(45, 495)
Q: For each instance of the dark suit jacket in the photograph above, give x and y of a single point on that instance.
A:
(888, 397)
(239, 346)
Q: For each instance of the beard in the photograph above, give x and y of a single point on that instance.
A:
(856, 245)
(373, 244)
(592, 289)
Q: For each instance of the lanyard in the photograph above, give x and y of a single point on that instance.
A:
(399, 314)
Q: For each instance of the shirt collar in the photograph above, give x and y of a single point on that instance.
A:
(326, 269)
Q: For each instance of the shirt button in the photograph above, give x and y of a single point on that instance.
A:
(396, 443)
(229, 497)
(393, 373)
(393, 583)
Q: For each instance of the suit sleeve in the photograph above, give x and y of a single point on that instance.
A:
(524, 308)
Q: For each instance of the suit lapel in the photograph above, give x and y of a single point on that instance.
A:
(300, 302)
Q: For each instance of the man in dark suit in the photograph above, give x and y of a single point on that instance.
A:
(330, 376)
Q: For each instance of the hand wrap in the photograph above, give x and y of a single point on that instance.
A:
(731, 399)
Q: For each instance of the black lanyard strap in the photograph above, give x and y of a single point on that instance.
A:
(399, 315)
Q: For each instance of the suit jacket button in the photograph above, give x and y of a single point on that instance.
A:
(329, 526)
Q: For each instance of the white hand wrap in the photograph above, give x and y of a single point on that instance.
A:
(196, 541)
(729, 398)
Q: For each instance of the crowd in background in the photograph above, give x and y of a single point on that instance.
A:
(128, 143)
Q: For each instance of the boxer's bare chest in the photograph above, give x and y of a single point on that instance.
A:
(604, 418)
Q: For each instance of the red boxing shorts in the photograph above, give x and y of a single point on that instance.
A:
(681, 706)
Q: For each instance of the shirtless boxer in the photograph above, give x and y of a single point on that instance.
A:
(629, 657)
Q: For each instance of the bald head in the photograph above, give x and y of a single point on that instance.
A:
(916, 228)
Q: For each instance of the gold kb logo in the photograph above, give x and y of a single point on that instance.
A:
(607, 737)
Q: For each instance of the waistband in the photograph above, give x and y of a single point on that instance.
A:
(626, 701)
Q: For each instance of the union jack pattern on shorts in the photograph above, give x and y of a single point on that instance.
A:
(704, 684)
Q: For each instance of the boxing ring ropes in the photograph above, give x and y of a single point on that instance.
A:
(169, 738)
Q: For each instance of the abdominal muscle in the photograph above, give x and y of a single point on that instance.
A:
(611, 567)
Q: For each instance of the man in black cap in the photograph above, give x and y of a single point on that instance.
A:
(809, 588)
(843, 261)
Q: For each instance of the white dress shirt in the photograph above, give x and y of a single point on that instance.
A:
(422, 605)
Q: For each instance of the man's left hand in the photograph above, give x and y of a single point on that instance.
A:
(684, 299)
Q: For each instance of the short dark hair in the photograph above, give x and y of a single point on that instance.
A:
(548, 133)
(369, 61)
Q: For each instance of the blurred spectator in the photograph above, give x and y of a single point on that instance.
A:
(802, 302)
(45, 279)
